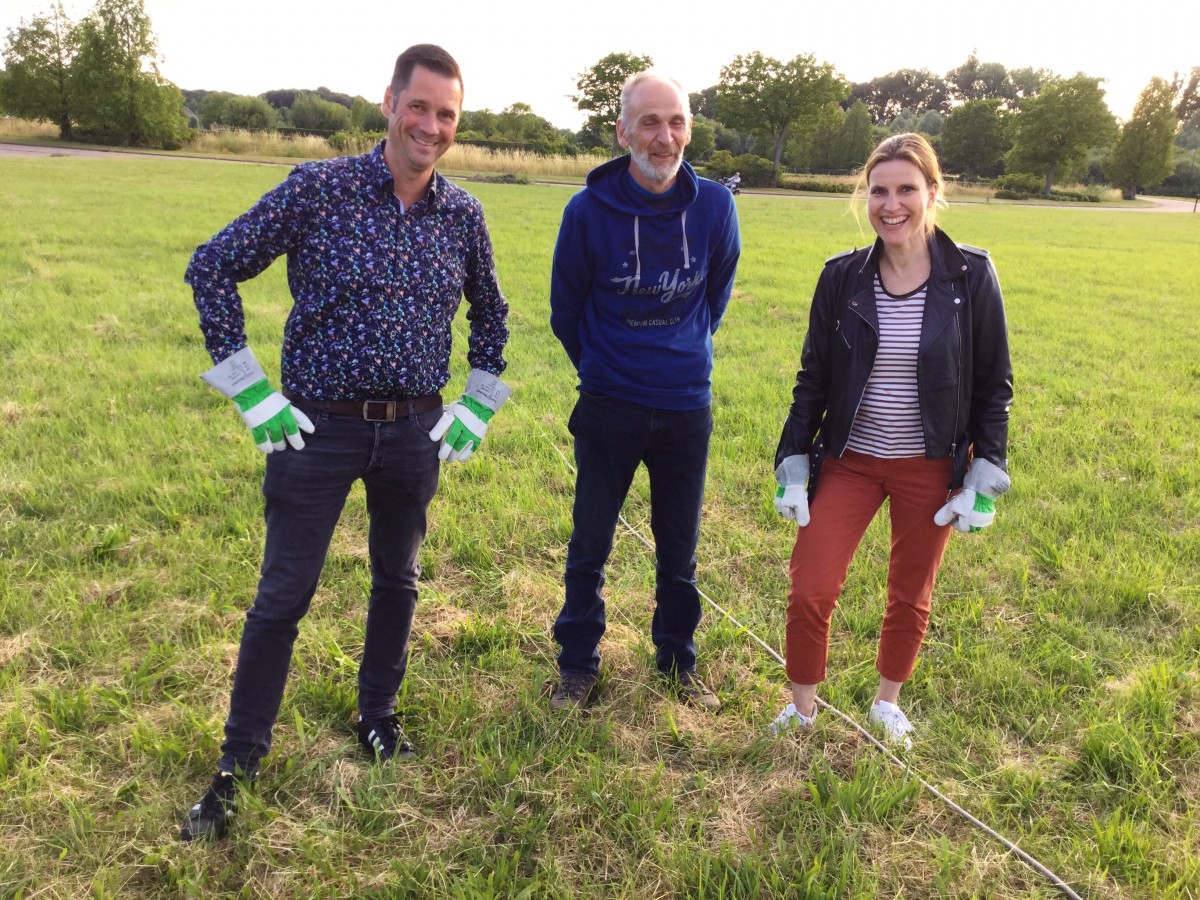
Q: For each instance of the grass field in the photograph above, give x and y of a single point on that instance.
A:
(1056, 697)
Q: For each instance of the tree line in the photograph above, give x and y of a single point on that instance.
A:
(98, 80)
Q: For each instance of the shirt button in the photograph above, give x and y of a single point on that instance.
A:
(957, 300)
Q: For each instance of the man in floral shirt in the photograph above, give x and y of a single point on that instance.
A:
(380, 251)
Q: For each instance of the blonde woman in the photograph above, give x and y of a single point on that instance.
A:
(903, 395)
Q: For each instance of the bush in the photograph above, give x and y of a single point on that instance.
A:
(504, 178)
(1185, 182)
(756, 171)
(720, 165)
(354, 141)
(1070, 196)
(1077, 196)
(1021, 183)
(823, 187)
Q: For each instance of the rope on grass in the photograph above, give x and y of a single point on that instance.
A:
(1030, 861)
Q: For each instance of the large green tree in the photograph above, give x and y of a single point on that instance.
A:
(1188, 93)
(816, 148)
(600, 95)
(975, 80)
(1028, 81)
(857, 139)
(366, 116)
(1057, 127)
(237, 111)
(122, 97)
(763, 95)
(704, 139)
(975, 138)
(311, 112)
(38, 57)
(1144, 154)
(915, 89)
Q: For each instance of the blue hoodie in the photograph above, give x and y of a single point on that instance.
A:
(640, 282)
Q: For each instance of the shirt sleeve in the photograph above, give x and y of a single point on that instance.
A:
(241, 250)
(488, 312)
(723, 266)
(570, 284)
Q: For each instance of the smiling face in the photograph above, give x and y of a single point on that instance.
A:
(655, 127)
(900, 202)
(422, 119)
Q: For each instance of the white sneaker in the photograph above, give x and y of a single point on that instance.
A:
(792, 718)
(894, 722)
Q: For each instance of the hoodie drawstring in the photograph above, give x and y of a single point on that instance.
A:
(637, 246)
(637, 255)
(686, 255)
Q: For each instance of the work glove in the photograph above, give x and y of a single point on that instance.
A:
(974, 507)
(272, 420)
(464, 423)
(791, 497)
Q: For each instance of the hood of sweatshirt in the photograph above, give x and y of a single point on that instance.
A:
(613, 186)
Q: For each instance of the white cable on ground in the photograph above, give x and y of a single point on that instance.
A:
(1030, 861)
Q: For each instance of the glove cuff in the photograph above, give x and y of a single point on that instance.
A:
(793, 470)
(487, 389)
(235, 373)
(985, 477)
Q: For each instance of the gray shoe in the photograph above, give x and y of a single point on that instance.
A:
(573, 690)
(694, 691)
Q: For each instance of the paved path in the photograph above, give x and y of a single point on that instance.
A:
(1161, 204)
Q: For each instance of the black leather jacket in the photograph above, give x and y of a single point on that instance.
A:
(964, 376)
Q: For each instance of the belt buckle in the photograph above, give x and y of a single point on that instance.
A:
(388, 413)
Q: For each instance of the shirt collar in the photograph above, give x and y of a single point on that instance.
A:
(382, 175)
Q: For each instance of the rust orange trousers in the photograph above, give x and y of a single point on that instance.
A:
(851, 491)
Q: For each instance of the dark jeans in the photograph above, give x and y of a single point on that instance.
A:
(305, 491)
(611, 438)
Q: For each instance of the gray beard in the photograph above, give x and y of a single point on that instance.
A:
(656, 174)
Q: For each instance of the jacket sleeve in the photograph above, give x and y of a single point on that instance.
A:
(810, 396)
(570, 284)
(991, 375)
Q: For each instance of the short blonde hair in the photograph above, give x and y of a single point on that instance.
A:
(909, 147)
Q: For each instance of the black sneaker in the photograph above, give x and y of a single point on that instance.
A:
(573, 690)
(209, 818)
(385, 739)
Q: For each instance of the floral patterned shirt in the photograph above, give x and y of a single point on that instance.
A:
(375, 286)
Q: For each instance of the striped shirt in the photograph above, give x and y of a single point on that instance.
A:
(888, 421)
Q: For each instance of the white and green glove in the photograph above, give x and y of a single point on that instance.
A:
(272, 420)
(791, 497)
(974, 507)
(464, 423)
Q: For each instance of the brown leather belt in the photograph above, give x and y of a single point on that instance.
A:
(372, 410)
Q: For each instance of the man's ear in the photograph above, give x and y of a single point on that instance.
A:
(386, 106)
(621, 138)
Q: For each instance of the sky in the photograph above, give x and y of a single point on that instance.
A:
(531, 51)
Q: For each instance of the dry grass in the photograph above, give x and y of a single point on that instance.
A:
(464, 157)
(256, 143)
(11, 127)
